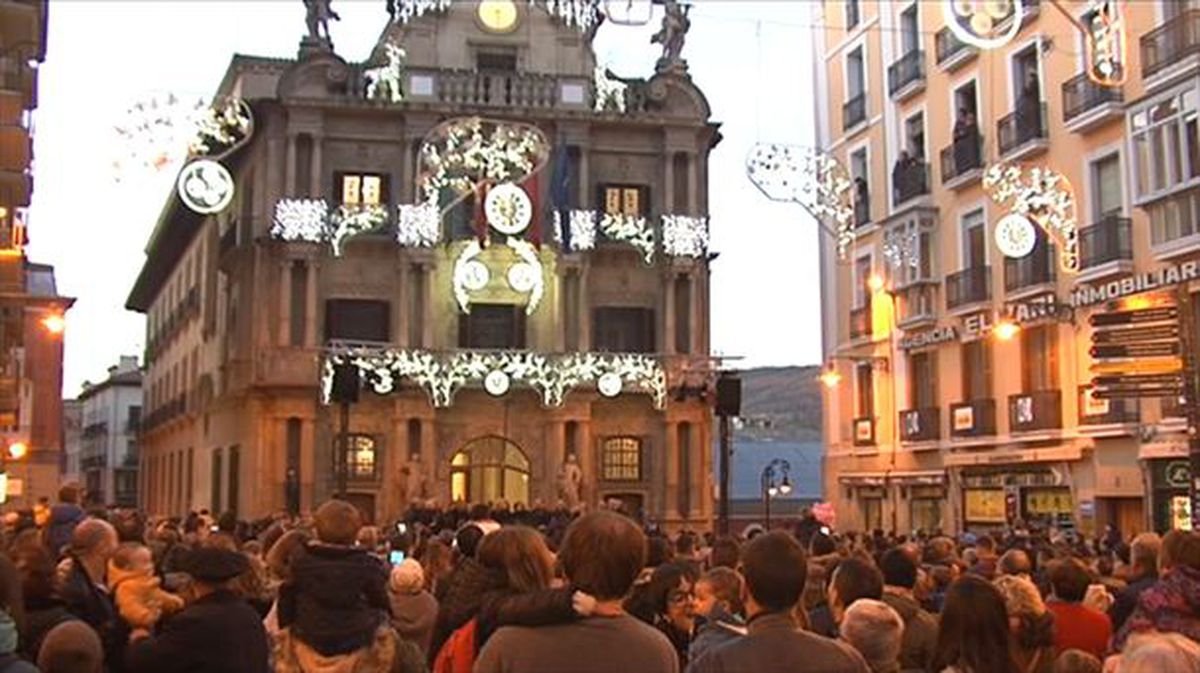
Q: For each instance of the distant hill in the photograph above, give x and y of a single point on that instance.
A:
(781, 403)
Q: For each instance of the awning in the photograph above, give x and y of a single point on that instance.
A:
(918, 478)
(862, 479)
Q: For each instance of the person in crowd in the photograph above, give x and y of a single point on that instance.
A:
(413, 608)
(71, 647)
(217, 632)
(135, 589)
(44, 610)
(1077, 661)
(1159, 653)
(84, 591)
(718, 607)
(875, 629)
(459, 595)
(1173, 603)
(64, 516)
(602, 553)
(1143, 573)
(665, 602)
(279, 570)
(986, 561)
(1076, 626)
(438, 563)
(920, 628)
(10, 658)
(1015, 562)
(854, 578)
(1030, 623)
(726, 553)
(973, 631)
(775, 570)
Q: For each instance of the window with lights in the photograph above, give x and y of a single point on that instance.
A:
(362, 189)
(621, 459)
(361, 458)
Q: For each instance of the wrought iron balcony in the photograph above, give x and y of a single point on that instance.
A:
(951, 51)
(907, 73)
(854, 112)
(1109, 240)
(1171, 42)
(1024, 126)
(1036, 268)
(864, 432)
(860, 322)
(917, 302)
(1082, 95)
(1094, 411)
(1040, 410)
(962, 158)
(921, 425)
(975, 418)
(968, 286)
(909, 181)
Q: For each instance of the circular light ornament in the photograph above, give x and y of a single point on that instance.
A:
(1015, 235)
(609, 384)
(475, 275)
(496, 383)
(508, 209)
(523, 277)
(976, 22)
(205, 186)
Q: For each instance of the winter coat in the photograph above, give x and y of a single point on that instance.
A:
(140, 601)
(718, 628)
(464, 591)
(1171, 605)
(93, 604)
(918, 646)
(1127, 599)
(41, 615)
(413, 616)
(508, 607)
(219, 633)
(336, 599)
(774, 644)
(63, 518)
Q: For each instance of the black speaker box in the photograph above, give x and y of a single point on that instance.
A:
(346, 383)
(729, 396)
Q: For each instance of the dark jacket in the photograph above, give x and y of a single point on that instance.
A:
(1172, 604)
(918, 646)
(93, 604)
(219, 633)
(1127, 599)
(716, 630)
(820, 621)
(336, 599)
(507, 607)
(41, 615)
(464, 591)
(775, 644)
(63, 518)
(413, 616)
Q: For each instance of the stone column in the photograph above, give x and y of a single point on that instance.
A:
(396, 502)
(585, 310)
(586, 197)
(403, 302)
(316, 188)
(554, 433)
(427, 313)
(308, 464)
(290, 169)
(311, 338)
(434, 476)
(586, 445)
(707, 476)
(284, 324)
(668, 182)
(670, 507)
(667, 341)
(698, 472)
(697, 316)
(692, 180)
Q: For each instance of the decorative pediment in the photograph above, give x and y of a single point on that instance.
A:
(319, 75)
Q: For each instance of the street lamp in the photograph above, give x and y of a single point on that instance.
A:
(54, 323)
(1006, 329)
(776, 469)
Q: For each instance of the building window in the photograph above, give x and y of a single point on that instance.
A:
(621, 459)
(366, 320)
(915, 237)
(922, 380)
(864, 390)
(1166, 148)
(914, 136)
(910, 30)
(496, 60)
(623, 329)
(977, 370)
(218, 476)
(492, 326)
(852, 14)
(1039, 358)
(856, 78)
(361, 456)
(974, 248)
(362, 189)
(862, 282)
(625, 200)
(1107, 190)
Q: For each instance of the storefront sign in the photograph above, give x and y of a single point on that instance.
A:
(933, 337)
(984, 505)
(1142, 282)
(1045, 307)
(964, 418)
(1177, 474)
(1048, 502)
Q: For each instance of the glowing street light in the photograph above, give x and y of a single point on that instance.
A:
(830, 377)
(875, 282)
(55, 323)
(1005, 330)
(18, 450)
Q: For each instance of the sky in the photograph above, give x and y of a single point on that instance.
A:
(753, 60)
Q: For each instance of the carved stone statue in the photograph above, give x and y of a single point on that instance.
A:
(570, 477)
(414, 479)
(317, 16)
(671, 36)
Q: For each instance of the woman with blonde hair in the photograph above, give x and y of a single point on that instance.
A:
(1031, 625)
(1157, 652)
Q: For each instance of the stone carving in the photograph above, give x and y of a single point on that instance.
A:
(317, 16)
(414, 479)
(675, 25)
(570, 477)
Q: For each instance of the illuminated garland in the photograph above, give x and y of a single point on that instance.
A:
(300, 220)
(309, 220)
(418, 226)
(583, 229)
(221, 127)
(460, 154)
(407, 10)
(810, 177)
(621, 13)
(630, 229)
(349, 221)
(986, 24)
(444, 374)
(1106, 43)
(685, 236)
(583, 15)
(610, 93)
(472, 275)
(163, 131)
(1045, 197)
(386, 82)
(900, 248)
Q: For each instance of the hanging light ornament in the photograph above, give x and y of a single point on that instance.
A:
(900, 248)
(986, 24)
(1105, 33)
(628, 12)
(1042, 196)
(810, 177)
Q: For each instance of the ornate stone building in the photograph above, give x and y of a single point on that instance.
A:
(497, 360)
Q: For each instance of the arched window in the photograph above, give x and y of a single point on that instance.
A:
(489, 469)
(621, 459)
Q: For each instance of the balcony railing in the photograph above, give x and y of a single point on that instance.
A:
(860, 322)
(948, 46)
(1081, 94)
(1033, 269)
(1025, 125)
(1094, 411)
(1171, 42)
(1109, 240)
(917, 302)
(854, 112)
(920, 425)
(864, 432)
(908, 70)
(962, 156)
(968, 286)
(909, 180)
(1040, 410)
(497, 89)
(862, 211)
(976, 418)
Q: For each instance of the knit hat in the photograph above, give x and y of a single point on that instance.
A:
(407, 578)
(213, 564)
(71, 647)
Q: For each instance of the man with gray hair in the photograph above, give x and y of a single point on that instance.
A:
(874, 629)
(1143, 559)
(84, 591)
(1016, 562)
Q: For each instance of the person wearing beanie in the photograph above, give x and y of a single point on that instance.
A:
(413, 608)
(71, 647)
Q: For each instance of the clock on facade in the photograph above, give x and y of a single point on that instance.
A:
(498, 16)
(508, 209)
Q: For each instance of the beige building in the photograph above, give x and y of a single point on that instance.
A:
(246, 314)
(939, 420)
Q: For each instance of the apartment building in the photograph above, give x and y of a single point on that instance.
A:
(107, 464)
(961, 396)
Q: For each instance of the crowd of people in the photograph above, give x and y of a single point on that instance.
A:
(514, 590)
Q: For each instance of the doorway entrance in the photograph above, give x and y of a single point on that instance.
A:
(489, 469)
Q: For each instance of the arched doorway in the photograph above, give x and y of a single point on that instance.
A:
(489, 469)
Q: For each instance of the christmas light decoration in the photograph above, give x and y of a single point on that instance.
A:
(611, 94)
(349, 221)
(986, 24)
(526, 275)
(300, 220)
(164, 130)
(1043, 196)
(583, 229)
(1106, 43)
(583, 15)
(467, 276)
(205, 186)
(461, 154)
(444, 374)
(418, 226)
(628, 12)
(386, 82)
(685, 236)
(1015, 236)
(810, 177)
(630, 229)
(407, 10)
(900, 248)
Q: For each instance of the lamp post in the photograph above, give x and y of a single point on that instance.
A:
(776, 469)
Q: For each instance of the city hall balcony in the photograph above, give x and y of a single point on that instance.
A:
(1095, 411)
(962, 162)
(974, 418)
(921, 425)
(969, 286)
(1035, 411)
(1106, 248)
(1087, 105)
(952, 53)
(1023, 133)
(910, 179)
(906, 77)
(1172, 44)
(854, 112)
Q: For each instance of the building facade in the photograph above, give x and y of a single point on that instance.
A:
(247, 317)
(940, 420)
(72, 440)
(111, 418)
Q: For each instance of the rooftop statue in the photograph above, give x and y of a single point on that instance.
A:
(675, 25)
(317, 16)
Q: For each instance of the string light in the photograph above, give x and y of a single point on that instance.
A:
(810, 177)
(1106, 43)
(985, 24)
(1045, 197)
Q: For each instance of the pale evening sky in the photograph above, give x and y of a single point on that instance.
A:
(752, 60)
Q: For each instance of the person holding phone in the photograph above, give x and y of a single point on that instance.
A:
(414, 609)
